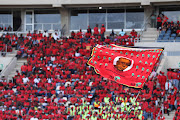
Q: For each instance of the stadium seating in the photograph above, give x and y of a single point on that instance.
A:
(56, 83)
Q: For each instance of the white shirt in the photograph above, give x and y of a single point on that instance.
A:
(19, 111)
(77, 54)
(53, 58)
(122, 104)
(56, 37)
(36, 80)
(45, 34)
(25, 80)
(34, 118)
(49, 80)
(167, 87)
(153, 74)
(66, 84)
(121, 33)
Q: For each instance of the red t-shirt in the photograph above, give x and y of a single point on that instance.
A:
(159, 19)
(96, 31)
(103, 29)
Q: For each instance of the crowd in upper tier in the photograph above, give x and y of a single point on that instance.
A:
(169, 30)
(57, 84)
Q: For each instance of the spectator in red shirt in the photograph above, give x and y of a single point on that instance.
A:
(133, 33)
(159, 22)
(96, 30)
(89, 30)
(24, 69)
(103, 30)
(73, 34)
(178, 32)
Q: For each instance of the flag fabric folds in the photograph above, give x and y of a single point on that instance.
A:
(127, 66)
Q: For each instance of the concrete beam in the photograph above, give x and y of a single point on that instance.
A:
(65, 21)
(145, 2)
(26, 2)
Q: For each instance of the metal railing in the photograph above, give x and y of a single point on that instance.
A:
(162, 109)
(5, 72)
(4, 49)
(173, 53)
(144, 27)
(63, 30)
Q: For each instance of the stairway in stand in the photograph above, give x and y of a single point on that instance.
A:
(19, 63)
(150, 35)
(171, 115)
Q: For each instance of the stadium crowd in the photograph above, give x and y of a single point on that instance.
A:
(57, 84)
(169, 30)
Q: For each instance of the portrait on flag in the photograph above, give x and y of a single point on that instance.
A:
(122, 63)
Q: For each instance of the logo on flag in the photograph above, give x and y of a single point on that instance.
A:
(127, 66)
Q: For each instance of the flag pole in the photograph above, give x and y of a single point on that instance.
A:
(132, 104)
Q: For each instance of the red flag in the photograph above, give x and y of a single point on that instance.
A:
(127, 66)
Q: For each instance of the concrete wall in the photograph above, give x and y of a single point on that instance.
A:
(169, 46)
(173, 62)
(169, 62)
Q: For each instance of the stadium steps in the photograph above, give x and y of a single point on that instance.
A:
(150, 35)
(19, 63)
(162, 66)
(171, 115)
(13, 53)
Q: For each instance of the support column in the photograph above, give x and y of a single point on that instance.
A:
(65, 21)
(23, 20)
(148, 10)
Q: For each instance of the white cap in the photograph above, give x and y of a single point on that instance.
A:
(127, 103)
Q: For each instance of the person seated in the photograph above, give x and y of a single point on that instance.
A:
(174, 29)
(79, 34)
(178, 32)
(88, 35)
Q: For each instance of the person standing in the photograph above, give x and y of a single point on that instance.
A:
(164, 20)
(96, 30)
(168, 85)
(159, 22)
(89, 30)
(122, 33)
(153, 20)
(103, 30)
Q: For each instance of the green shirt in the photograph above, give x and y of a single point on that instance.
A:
(106, 99)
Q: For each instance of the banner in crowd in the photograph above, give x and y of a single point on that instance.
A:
(127, 66)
